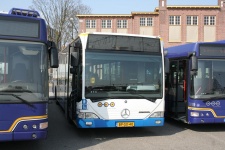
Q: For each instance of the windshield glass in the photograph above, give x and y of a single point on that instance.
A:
(209, 82)
(23, 71)
(123, 75)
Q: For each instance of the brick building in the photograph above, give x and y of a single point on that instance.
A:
(175, 24)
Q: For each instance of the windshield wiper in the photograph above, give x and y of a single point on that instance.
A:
(16, 91)
(21, 99)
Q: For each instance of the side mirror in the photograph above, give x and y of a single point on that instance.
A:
(166, 62)
(194, 63)
(74, 59)
(54, 60)
(167, 65)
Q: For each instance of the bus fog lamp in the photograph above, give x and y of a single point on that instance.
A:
(34, 136)
(25, 127)
(43, 125)
(158, 122)
(88, 123)
(194, 114)
(34, 126)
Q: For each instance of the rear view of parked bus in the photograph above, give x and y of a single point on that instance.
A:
(24, 58)
(113, 80)
(196, 83)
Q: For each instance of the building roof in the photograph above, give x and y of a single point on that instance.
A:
(103, 15)
(144, 13)
(117, 15)
(156, 11)
(190, 6)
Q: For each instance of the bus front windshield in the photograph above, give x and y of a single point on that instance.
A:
(123, 75)
(23, 72)
(209, 83)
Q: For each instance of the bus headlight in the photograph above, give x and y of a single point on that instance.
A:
(43, 125)
(81, 115)
(87, 115)
(91, 116)
(194, 114)
(158, 114)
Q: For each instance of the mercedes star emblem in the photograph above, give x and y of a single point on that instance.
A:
(125, 113)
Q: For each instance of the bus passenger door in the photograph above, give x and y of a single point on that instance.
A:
(75, 85)
(177, 93)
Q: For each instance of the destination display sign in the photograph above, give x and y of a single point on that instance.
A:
(125, 43)
(19, 27)
(212, 50)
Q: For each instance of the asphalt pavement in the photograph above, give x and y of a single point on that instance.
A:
(172, 136)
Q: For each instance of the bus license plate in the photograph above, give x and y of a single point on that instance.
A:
(125, 124)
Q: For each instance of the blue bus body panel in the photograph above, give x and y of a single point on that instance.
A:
(99, 123)
(185, 49)
(182, 50)
(14, 116)
(212, 111)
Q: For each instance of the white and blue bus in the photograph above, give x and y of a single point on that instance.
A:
(25, 56)
(112, 80)
(196, 83)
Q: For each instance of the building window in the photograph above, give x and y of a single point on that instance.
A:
(174, 20)
(142, 21)
(192, 20)
(109, 23)
(121, 23)
(146, 22)
(209, 20)
(90, 24)
(106, 23)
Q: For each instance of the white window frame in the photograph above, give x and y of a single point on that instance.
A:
(174, 20)
(109, 23)
(90, 24)
(106, 24)
(209, 20)
(146, 21)
(192, 20)
(121, 24)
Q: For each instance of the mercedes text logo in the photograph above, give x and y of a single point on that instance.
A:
(125, 113)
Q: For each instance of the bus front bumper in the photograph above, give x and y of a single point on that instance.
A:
(19, 136)
(99, 123)
(205, 120)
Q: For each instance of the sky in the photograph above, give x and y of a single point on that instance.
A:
(112, 6)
